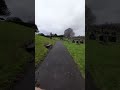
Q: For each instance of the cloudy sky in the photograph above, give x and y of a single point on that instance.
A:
(24, 9)
(57, 15)
(105, 10)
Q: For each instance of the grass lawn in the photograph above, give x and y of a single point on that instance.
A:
(13, 56)
(78, 53)
(40, 50)
(103, 62)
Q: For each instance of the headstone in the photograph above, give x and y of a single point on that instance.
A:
(77, 42)
(81, 41)
(73, 41)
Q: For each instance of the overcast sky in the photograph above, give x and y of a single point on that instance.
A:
(105, 10)
(57, 15)
(24, 9)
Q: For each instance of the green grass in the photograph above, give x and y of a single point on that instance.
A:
(103, 62)
(13, 56)
(78, 54)
(40, 50)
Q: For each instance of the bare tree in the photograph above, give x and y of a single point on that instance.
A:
(51, 35)
(69, 33)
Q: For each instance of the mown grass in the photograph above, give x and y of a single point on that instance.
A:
(13, 56)
(40, 50)
(78, 54)
(103, 62)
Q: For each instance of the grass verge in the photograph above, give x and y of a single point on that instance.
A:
(40, 50)
(78, 54)
(13, 56)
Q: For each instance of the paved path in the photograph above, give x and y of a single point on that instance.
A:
(59, 72)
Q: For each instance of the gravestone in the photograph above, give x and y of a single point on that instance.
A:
(77, 42)
(73, 41)
(81, 41)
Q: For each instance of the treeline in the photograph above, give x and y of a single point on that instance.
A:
(53, 35)
(17, 20)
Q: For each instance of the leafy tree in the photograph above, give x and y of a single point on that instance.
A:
(69, 33)
(17, 20)
(51, 35)
(42, 34)
(55, 35)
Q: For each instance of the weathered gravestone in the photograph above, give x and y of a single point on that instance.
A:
(77, 42)
(73, 41)
(81, 42)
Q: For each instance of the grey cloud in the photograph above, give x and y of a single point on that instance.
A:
(105, 10)
(57, 15)
(24, 9)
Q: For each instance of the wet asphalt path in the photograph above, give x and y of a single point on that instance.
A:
(59, 72)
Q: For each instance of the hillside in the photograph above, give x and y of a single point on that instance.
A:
(12, 52)
(40, 50)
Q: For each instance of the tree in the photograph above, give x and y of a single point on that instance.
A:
(55, 35)
(69, 33)
(89, 16)
(51, 35)
(3, 8)
(17, 20)
(42, 34)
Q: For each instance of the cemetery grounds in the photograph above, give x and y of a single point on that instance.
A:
(77, 51)
(13, 55)
(105, 70)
